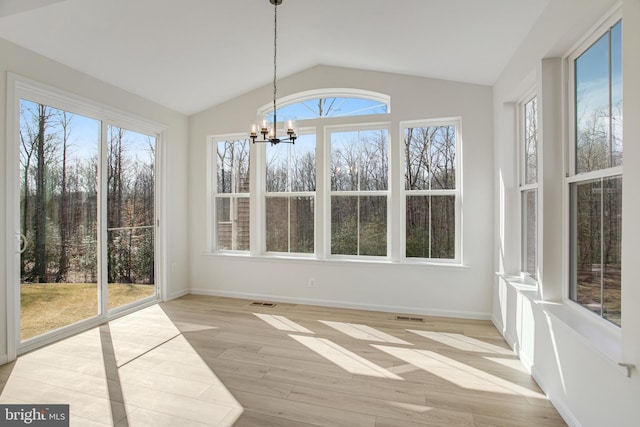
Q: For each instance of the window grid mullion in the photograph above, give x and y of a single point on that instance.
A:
(430, 234)
(289, 224)
(610, 109)
(601, 247)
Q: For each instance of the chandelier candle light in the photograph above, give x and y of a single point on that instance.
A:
(267, 130)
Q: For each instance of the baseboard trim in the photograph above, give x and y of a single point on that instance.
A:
(559, 404)
(178, 294)
(342, 304)
(4, 359)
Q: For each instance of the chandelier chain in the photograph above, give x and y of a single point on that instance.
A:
(269, 131)
(275, 57)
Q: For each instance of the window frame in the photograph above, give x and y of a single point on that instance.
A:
(394, 194)
(574, 178)
(328, 93)
(329, 193)
(525, 187)
(457, 192)
(212, 180)
(21, 87)
(264, 195)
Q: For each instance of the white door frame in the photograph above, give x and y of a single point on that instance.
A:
(20, 87)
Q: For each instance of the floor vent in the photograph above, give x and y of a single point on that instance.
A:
(262, 304)
(410, 319)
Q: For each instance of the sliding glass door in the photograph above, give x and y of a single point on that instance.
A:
(130, 216)
(58, 218)
(87, 218)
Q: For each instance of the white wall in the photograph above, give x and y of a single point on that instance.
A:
(573, 356)
(444, 290)
(31, 65)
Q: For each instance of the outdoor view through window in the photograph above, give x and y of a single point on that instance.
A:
(596, 189)
(60, 204)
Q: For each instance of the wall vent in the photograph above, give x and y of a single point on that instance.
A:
(410, 318)
(263, 304)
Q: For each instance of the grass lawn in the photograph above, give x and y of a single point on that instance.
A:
(48, 306)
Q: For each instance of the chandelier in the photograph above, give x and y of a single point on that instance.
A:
(269, 131)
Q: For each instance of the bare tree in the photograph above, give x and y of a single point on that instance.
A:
(64, 220)
(115, 191)
(27, 145)
(430, 160)
(43, 116)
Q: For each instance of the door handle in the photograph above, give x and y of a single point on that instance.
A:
(23, 242)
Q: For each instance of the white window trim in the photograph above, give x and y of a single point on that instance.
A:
(262, 169)
(446, 121)
(327, 93)
(212, 193)
(526, 278)
(532, 94)
(596, 33)
(328, 131)
(599, 323)
(322, 226)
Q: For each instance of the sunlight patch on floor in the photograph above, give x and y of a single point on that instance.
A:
(412, 407)
(463, 342)
(462, 375)
(364, 332)
(282, 323)
(344, 358)
(193, 327)
(136, 370)
(514, 364)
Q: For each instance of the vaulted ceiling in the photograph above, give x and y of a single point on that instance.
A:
(192, 54)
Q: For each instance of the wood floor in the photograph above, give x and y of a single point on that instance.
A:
(217, 361)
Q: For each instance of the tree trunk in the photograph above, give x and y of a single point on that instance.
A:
(63, 219)
(40, 268)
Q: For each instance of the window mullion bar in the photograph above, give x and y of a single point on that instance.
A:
(610, 138)
(430, 234)
(289, 224)
(358, 225)
(528, 187)
(430, 231)
(234, 223)
(103, 220)
(594, 175)
(601, 247)
(358, 171)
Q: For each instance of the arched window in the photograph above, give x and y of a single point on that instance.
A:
(326, 103)
(330, 194)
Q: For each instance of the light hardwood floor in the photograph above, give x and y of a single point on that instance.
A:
(217, 361)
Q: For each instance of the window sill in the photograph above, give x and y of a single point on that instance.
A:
(602, 336)
(599, 334)
(336, 260)
(522, 285)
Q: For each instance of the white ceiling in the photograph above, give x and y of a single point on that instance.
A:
(192, 54)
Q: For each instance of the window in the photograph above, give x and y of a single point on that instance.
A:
(330, 194)
(529, 186)
(595, 184)
(232, 214)
(359, 183)
(328, 103)
(290, 196)
(431, 189)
